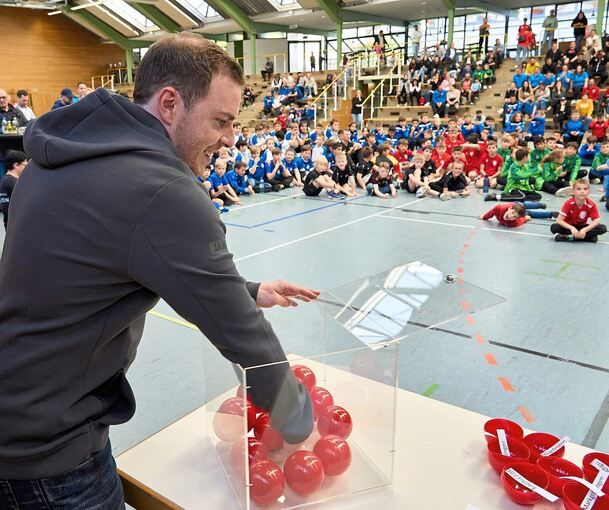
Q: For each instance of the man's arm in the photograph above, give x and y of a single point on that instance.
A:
(183, 257)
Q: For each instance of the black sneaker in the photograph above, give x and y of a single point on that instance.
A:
(490, 197)
(593, 239)
(562, 237)
(542, 205)
(603, 199)
(555, 214)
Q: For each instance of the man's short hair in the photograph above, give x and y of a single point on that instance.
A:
(22, 92)
(186, 62)
(12, 158)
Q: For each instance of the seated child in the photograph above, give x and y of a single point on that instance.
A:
(364, 167)
(554, 175)
(220, 186)
(572, 222)
(380, 183)
(276, 174)
(572, 163)
(343, 176)
(490, 166)
(319, 178)
(453, 184)
(207, 185)
(518, 186)
(237, 179)
(588, 150)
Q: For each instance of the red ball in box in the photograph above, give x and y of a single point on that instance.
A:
(228, 422)
(556, 468)
(573, 494)
(335, 420)
(239, 394)
(264, 431)
(266, 482)
(304, 375)
(256, 450)
(512, 429)
(304, 472)
(321, 399)
(539, 442)
(334, 453)
(590, 471)
(519, 493)
(518, 452)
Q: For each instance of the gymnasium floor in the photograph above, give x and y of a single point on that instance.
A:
(537, 357)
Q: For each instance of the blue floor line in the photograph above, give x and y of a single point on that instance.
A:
(301, 213)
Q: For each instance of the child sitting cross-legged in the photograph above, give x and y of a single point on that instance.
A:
(343, 176)
(514, 214)
(453, 184)
(518, 186)
(572, 222)
(320, 178)
(554, 174)
(380, 183)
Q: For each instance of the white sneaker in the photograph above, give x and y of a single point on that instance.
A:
(595, 180)
(445, 196)
(420, 192)
(564, 192)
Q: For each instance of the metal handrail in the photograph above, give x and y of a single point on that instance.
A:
(105, 80)
(381, 86)
(324, 92)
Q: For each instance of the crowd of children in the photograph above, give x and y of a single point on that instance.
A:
(422, 157)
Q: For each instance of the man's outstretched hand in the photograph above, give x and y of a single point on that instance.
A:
(281, 293)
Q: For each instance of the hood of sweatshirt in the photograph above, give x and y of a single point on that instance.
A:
(88, 129)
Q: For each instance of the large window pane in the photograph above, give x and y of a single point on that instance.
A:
(199, 7)
(130, 15)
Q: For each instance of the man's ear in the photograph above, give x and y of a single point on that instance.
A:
(169, 106)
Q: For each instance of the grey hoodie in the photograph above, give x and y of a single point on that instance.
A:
(105, 219)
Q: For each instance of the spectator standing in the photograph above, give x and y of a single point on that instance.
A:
(268, 70)
(554, 52)
(356, 108)
(524, 36)
(499, 50)
(312, 60)
(597, 67)
(550, 24)
(484, 33)
(81, 91)
(415, 39)
(23, 105)
(579, 25)
(14, 162)
(593, 44)
(8, 112)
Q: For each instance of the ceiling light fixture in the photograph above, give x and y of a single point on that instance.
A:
(53, 13)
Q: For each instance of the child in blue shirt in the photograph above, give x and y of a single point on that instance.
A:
(332, 130)
(276, 174)
(573, 131)
(588, 150)
(537, 126)
(304, 162)
(237, 179)
(468, 127)
(290, 164)
(221, 188)
(516, 125)
(519, 78)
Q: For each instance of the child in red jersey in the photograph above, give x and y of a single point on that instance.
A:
(490, 166)
(472, 153)
(572, 222)
(598, 127)
(402, 155)
(514, 214)
(442, 158)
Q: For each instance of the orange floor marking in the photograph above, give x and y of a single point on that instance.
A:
(491, 359)
(460, 292)
(465, 305)
(470, 320)
(526, 414)
(507, 386)
(459, 270)
(466, 245)
(480, 339)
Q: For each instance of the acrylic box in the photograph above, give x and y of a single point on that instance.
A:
(344, 349)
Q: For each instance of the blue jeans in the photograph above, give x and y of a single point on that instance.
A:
(604, 175)
(521, 54)
(382, 189)
(532, 211)
(546, 43)
(94, 485)
(357, 118)
(415, 49)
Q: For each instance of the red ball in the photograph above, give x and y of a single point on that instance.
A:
(266, 482)
(334, 453)
(335, 420)
(321, 399)
(257, 409)
(256, 451)
(264, 432)
(304, 472)
(228, 423)
(304, 375)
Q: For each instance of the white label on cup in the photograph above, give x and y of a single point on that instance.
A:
(585, 482)
(557, 446)
(530, 485)
(503, 444)
(599, 481)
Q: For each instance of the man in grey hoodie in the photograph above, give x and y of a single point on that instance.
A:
(106, 218)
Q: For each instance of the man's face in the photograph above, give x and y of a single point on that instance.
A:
(3, 99)
(207, 126)
(23, 101)
(81, 89)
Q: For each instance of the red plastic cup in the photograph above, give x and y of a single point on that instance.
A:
(590, 471)
(518, 450)
(556, 467)
(519, 493)
(573, 493)
(512, 429)
(539, 442)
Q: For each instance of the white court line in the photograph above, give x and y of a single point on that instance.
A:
(331, 229)
(264, 202)
(503, 231)
(429, 221)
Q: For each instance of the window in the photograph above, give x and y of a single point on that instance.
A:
(130, 15)
(199, 7)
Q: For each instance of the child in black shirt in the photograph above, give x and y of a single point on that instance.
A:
(380, 183)
(319, 178)
(453, 184)
(14, 162)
